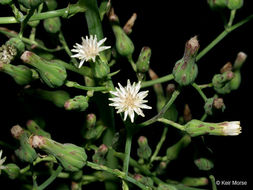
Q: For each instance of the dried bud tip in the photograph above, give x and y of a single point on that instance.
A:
(227, 67)
(240, 59)
(192, 46)
(130, 23)
(36, 141)
(187, 113)
(218, 103)
(16, 131)
(103, 149)
(142, 140)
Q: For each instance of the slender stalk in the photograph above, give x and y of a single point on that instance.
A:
(127, 150)
(159, 80)
(25, 21)
(117, 173)
(211, 177)
(163, 110)
(202, 86)
(203, 118)
(172, 123)
(159, 145)
(200, 91)
(130, 60)
(76, 85)
(65, 12)
(51, 178)
(232, 16)
(221, 36)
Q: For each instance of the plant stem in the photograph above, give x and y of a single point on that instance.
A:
(159, 145)
(211, 177)
(117, 173)
(127, 149)
(203, 118)
(231, 19)
(65, 12)
(163, 110)
(25, 21)
(130, 60)
(202, 86)
(221, 36)
(200, 91)
(76, 85)
(159, 80)
(172, 123)
(10, 33)
(51, 178)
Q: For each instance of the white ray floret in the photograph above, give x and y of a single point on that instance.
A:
(231, 128)
(129, 100)
(89, 49)
(2, 160)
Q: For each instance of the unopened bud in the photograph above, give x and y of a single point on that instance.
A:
(143, 151)
(221, 82)
(79, 103)
(227, 67)
(170, 89)
(35, 129)
(71, 157)
(17, 131)
(240, 59)
(52, 73)
(52, 25)
(234, 4)
(163, 186)
(173, 151)
(12, 170)
(51, 4)
(21, 74)
(94, 132)
(90, 120)
(161, 168)
(204, 164)
(142, 141)
(142, 63)
(195, 181)
(185, 70)
(217, 4)
(124, 44)
(197, 128)
(187, 113)
(145, 180)
(130, 23)
(100, 69)
(99, 156)
(29, 4)
(213, 104)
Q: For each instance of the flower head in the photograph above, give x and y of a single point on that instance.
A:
(89, 49)
(129, 100)
(2, 160)
(231, 128)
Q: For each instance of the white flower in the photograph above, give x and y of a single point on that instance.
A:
(89, 49)
(2, 161)
(129, 100)
(231, 128)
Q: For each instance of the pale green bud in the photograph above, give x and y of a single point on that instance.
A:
(12, 170)
(35, 129)
(79, 103)
(195, 181)
(142, 63)
(52, 25)
(234, 4)
(29, 4)
(204, 164)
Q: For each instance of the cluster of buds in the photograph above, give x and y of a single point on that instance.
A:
(213, 104)
(142, 64)
(145, 180)
(204, 164)
(185, 70)
(230, 77)
(100, 153)
(143, 151)
(7, 53)
(231, 4)
(79, 103)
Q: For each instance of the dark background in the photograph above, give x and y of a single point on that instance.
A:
(165, 27)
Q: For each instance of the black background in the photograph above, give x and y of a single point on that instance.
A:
(164, 26)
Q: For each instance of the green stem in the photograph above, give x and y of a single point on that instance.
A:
(51, 178)
(127, 150)
(211, 177)
(9, 33)
(231, 19)
(163, 110)
(203, 118)
(221, 36)
(130, 60)
(200, 91)
(159, 80)
(76, 85)
(159, 145)
(25, 169)
(172, 123)
(117, 173)
(202, 86)
(25, 21)
(65, 12)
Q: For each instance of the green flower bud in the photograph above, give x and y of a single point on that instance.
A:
(142, 63)
(234, 4)
(236, 81)
(240, 59)
(29, 4)
(163, 186)
(71, 157)
(204, 164)
(196, 128)
(18, 44)
(213, 104)
(195, 181)
(12, 170)
(76, 176)
(221, 82)
(145, 180)
(99, 156)
(100, 69)
(52, 73)
(144, 151)
(25, 152)
(79, 103)
(90, 120)
(173, 151)
(161, 168)
(21, 74)
(52, 25)
(7, 53)
(57, 97)
(51, 4)
(35, 129)
(94, 132)
(185, 70)
(124, 44)
(217, 4)
(5, 2)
